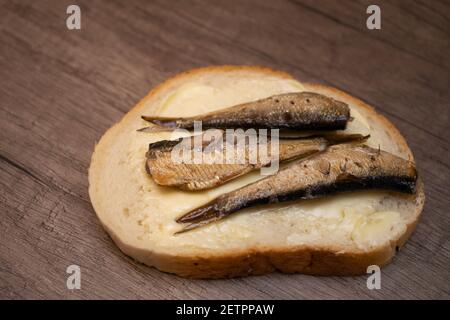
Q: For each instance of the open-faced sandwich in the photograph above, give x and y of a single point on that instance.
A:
(232, 171)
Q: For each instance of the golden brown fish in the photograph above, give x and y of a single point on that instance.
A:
(297, 111)
(188, 175)
(339, 168)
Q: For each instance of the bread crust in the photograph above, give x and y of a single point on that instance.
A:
(255, 261)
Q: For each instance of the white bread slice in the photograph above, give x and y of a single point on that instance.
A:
(337, 235)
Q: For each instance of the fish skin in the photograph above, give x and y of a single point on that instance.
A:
(339, 168)
(191, 176)
(296, 111)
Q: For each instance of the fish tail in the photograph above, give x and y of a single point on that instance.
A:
(199, 217)
(195, 225)
(156, 128)
(206, 211)
(346, 138)
(170, 122)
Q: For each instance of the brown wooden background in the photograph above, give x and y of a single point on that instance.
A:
(60, 90)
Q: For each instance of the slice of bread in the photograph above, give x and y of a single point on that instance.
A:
(338, 235)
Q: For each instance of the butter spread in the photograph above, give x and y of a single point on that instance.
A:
(354, 218)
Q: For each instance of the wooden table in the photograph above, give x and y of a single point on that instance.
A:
(61, 89)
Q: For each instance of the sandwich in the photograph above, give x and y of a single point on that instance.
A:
(344, 193)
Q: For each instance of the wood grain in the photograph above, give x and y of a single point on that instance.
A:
(60, 90)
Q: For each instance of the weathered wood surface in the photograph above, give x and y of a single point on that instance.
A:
(60, 90)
